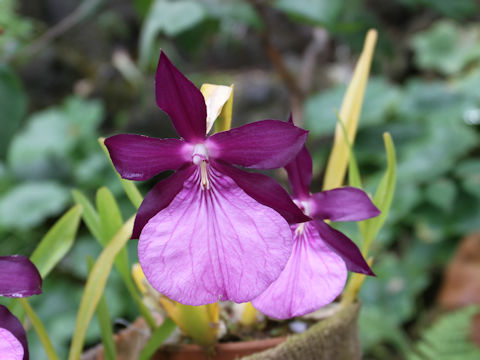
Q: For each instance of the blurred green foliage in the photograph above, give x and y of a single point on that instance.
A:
(430, 103)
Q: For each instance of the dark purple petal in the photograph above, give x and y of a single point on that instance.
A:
(300, 174)
(181, 100)
(9, 322)
(344, 247)
(159, 197)
(138, 157)
(266, 191)
(266, 144)
(19, 277)
(342, 204)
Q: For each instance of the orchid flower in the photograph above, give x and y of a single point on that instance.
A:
(316, 272)
(18, 278)
(210, 231)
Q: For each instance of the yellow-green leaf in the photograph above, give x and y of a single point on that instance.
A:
(95, 287)
(40, 330)
(104, 322)
(57, 241)
(89, 214)
(383, 197)
(349, 115)
(156, 340)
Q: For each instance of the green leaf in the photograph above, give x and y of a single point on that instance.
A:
(319, 12)
(457, 9)
(89, 214)
(469, 173)
(449, 338)
(110, 222)
(104, 322)
(442, 193)
(171, 18)
(158, 337)
(29, 204)
(95, 286)
(57, 241)
(446, 47)
(382, 199)
(42, 148)
(13, 106)
(40, 329)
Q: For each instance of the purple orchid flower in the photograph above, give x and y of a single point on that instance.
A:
(316, 272)
(210, 231)
(18, 278)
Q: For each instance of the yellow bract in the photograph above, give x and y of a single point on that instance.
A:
(219, 102)
(349, 115)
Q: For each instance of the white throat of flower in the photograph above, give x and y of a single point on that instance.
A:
(305, 207)
(200, 158)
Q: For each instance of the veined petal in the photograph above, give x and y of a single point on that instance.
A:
(19, 277)
(266, 144)
(313, 277)
(159, 197)
(181, 100)
(138, 157)
(342, 204)
(13, 341)
(266, 191)
(344, 247)
(214, 244)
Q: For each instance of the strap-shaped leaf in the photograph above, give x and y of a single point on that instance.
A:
(349, 115)
(95, 286)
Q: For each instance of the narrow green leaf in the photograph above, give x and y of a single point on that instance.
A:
(129, 187)
(109, 215)
(383, 197)
(57, 242)
(95, 286)
(52, 248)
(157, 338)
(89, 215)
(40, 329)
(353, 172)
(104, 322)
(110, 222)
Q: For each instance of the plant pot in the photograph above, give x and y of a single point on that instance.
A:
(334, 338)
(223, 351)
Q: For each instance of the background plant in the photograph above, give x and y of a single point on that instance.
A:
(59, 92)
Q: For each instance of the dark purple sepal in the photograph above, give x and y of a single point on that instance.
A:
(9, 322)
(342, 204)
(267, 144)
(138, 157)
(300, 174)
(265, 190)
(181, 100)
(159, 198)
(344, 247)
(19, 277)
